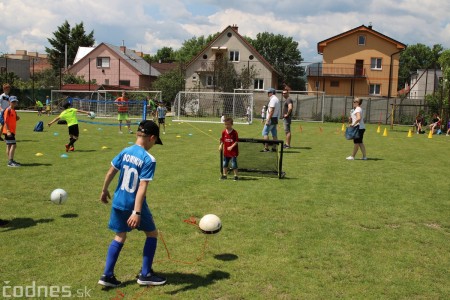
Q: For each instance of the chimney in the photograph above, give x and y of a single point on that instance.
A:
(235, 27)
(370, 25)
(123, 49)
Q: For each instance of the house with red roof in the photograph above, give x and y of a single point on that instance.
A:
(201, 71)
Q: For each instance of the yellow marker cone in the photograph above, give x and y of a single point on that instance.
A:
(410, 133)
(104, 147)
(430, 135)
(39, 154)
(378, 129)
(343, 127)
(385, 132)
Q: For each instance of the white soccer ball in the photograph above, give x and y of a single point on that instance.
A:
(210, 224)
(92, 115)
(58, 196)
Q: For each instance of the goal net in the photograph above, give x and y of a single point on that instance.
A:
(252, 160)
(308, 106)
(210, 106)
(102, 103)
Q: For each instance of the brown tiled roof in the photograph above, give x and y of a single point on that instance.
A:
(244, 41)
(322, 44)
(165, 67)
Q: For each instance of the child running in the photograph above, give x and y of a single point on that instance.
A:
(69, 114)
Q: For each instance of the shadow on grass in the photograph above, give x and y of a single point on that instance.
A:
(86, 150)
(226, 257)
(35, 165)
(22, 223)
(69, 216)
(191, 282)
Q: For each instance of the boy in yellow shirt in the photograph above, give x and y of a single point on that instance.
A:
(69, 114)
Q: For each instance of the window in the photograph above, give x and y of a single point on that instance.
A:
(375, 63)
(317, 84)
(375, 89)
(234, 55)
(102, 62)
(361, 40)
(209, 80)
(334, 83)
(258, 84)
(124, 82)
(107, 81)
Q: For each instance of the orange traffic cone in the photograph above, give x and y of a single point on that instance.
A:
(385, 132)
(410, 133)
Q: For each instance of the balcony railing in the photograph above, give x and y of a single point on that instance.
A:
(337, 70)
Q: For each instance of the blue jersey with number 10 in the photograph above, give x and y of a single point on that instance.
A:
(135, 164)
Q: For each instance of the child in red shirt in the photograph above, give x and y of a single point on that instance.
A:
(9, 130)
(229, 146)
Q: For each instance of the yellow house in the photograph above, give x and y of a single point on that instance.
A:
(360, 62)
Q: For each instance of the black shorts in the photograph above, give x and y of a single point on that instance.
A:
(361, 135)
(73, 130)
(161, 120)
(10, 139)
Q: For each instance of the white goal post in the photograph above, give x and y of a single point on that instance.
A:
(210, 106)
(102, 102)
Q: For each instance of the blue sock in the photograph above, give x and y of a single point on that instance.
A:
(148, 254)
(111, 257)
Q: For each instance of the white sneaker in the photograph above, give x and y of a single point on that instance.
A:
(120, 132)
(350, 158)
(364, 158)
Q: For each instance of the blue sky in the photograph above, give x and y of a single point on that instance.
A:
(148, 25)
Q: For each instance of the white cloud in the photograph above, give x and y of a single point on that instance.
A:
(149, 25)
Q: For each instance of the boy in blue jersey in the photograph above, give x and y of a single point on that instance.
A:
(129, 207)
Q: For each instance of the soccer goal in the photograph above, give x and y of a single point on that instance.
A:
(252, 159)
(210, 106)
(102, 103)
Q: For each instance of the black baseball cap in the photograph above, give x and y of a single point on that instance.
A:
(149, 127)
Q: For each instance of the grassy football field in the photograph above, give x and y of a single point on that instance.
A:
(332, 229)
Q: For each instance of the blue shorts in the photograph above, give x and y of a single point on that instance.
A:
(118, 220)
(226, 161)
(269, 128)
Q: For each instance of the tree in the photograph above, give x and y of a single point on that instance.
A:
(225, 75)
(169, 84)
(415, 57)
(192, 47)
(283, 54)
(74, 38)
(165, 54)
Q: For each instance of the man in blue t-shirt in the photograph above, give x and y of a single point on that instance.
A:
(129, 207)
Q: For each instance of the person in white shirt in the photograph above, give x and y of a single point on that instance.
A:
(273, 114)
(357, 118)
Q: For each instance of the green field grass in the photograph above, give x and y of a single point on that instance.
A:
(332, 229)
